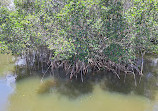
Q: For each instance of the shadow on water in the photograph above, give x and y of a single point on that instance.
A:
(145, 85)
(107, 81)
(69, 89)
(63, 86)
(73, 89)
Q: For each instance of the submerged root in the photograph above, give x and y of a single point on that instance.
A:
(46, 86)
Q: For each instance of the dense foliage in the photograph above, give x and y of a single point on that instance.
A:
(86, 33)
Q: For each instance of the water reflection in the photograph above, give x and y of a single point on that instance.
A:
(6, 64)
(27, 98)
(74, 89)
(7, 87)
(7, 81)
(101, 91)
(145, 85)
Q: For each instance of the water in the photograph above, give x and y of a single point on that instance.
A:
(7, 85)
(109, 94)
(27, 99)
(6, 64)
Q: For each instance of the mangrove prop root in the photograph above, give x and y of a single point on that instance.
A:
(42, 58)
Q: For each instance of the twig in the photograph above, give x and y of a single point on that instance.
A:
(45, 73)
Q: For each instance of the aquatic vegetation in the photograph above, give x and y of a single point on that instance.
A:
(46, 86)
